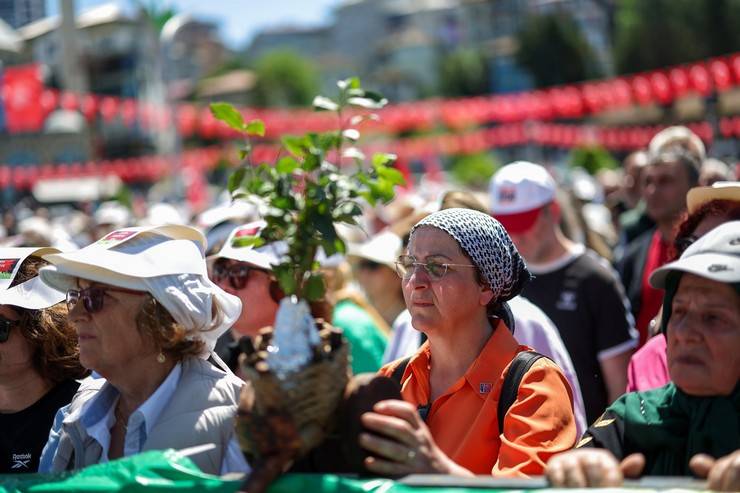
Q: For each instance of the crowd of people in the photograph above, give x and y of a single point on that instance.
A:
(586, 328)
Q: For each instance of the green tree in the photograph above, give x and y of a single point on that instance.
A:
(656, 33)
(592, 159)
(464, 73)
(474, 170)
(553, 50)
(157, 13)
(284, 79)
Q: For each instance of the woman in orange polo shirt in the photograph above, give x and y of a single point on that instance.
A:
(460, 270)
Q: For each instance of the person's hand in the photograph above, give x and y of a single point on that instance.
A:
(592, 468)
(409, 447)
(722, 474)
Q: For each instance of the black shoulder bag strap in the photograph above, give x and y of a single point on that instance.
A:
(397, 374)
(520, 365)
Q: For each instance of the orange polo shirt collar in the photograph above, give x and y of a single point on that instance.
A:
(481, 376)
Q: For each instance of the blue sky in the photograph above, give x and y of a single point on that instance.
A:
(238, 20)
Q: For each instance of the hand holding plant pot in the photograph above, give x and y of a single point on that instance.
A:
(297, 371)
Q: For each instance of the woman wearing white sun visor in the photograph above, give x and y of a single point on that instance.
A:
(39, 361)
(147, 319)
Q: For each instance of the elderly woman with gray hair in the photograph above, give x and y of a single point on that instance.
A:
(474, 400)
(690, 426)
(147, 318)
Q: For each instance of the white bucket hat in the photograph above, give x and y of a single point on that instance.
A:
(715, 256)
(165, 261)
(31, 294)
(264, 257)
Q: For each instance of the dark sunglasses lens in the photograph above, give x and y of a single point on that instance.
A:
(5, 326)
(219, 271)
(238, 278)
(93, 299)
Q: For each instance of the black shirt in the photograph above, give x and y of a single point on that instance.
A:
(585, 299)
(24, 434)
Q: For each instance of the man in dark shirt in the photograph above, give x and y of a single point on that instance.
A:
(672, 170)
(575, 287)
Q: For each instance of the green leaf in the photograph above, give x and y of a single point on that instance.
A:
(294, 145)
(286, 279)
(314, 287)
(254, 185)
(369, 196)
(256, 127)
(322, 103)
(351, 134)
(286, 165)
(347, 210)
(236, 179)
(247, 241)
(229, 115)
(311, 162)
(392, 175)
(328, 140)
(383, 159)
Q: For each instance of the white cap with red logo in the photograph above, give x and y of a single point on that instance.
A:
(518, 191)
(263, 257)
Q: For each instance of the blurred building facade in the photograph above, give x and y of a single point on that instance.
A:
(397, 45)
(113, 46)
(17, 13)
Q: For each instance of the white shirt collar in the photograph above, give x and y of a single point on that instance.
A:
(97, 416)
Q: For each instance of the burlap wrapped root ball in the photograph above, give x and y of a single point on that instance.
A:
(287, 418)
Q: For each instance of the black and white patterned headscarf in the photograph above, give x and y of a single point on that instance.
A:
(488, 245)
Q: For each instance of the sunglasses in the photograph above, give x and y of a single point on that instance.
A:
(5, 326)
(406, 266)
(93, 297)
(237, 274)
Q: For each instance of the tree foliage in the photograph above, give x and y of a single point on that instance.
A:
(592, 159)
(284, 79)
(553, 50)
(656, 33)
(464, 73)
(157, 13)
(474, 170)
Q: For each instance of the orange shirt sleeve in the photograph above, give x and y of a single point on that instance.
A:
(539, 424)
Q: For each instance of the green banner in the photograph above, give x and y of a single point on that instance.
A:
(169, 471)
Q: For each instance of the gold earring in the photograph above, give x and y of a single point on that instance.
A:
(161, 358)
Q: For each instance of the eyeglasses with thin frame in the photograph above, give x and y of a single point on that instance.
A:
(406, 265)
(93, 297)
(5, 325)
(237, 274)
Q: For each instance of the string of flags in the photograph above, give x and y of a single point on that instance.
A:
(27, 104)
(426, 149)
